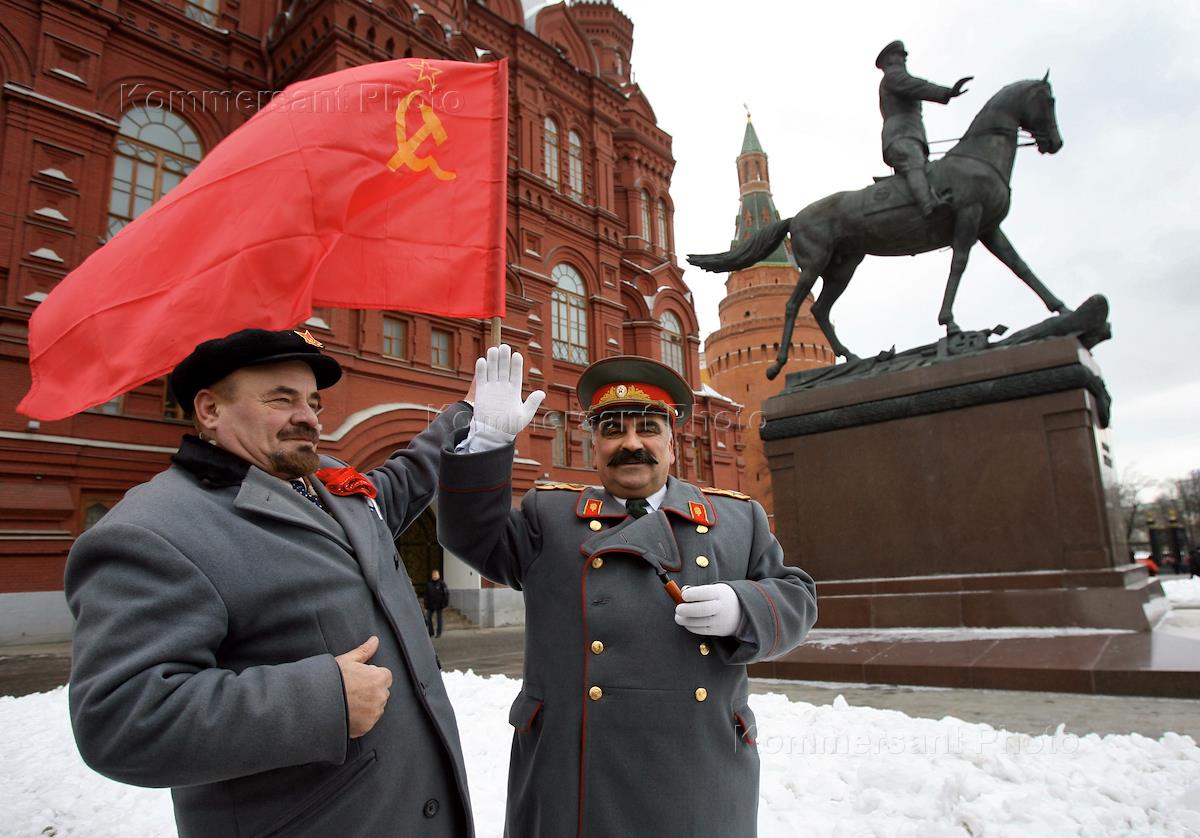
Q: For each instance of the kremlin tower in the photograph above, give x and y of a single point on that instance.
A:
(739, 352)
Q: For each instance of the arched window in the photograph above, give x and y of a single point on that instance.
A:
(672, 342)
(646, 216)
(93, 514)
(575, 166)
(569, 325)
(204, 11)
(550, 150)
(661, 219)
(155, 150)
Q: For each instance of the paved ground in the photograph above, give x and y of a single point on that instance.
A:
(500, 651)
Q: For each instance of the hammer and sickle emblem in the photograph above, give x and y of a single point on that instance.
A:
(406, 146)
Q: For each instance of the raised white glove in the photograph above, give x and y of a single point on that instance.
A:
(498, 404)
(709, 609)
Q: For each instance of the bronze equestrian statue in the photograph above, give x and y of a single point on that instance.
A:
(905, 148)
(830, 237)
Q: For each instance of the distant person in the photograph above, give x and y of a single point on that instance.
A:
(905, 147)
(437, 597)
(244, 633)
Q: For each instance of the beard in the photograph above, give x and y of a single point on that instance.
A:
(293, 464)
(296, 463)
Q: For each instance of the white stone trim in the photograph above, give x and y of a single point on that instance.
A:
(87, 443)
(358, 417)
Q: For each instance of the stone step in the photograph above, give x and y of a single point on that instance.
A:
(455, 620)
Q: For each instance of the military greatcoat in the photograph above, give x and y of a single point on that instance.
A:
(900, 97)
(627, 724)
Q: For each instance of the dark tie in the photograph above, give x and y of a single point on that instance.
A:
(637, 507)
(299, 486)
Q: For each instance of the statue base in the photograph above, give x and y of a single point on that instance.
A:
(973, 491)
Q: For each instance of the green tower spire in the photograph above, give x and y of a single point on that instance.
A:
(757, 208)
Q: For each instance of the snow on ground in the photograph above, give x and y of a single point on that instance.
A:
(833, 771)
(1182, 591)
(842, 637)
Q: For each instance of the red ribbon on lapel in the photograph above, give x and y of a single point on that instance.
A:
(345, 482)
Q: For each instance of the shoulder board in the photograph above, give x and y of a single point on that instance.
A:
(569, 487)
(729, 493)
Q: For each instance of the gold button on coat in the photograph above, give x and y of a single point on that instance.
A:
(701, 693)
(595, 693)
(704, 648)
(597, 562)
(702, 529)
(702, 561)
(595, 525)
(597, 647)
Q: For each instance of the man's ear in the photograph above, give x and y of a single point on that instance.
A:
(206, 410)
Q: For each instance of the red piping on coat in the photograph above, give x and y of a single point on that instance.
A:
(774, 613)
(583, 690)
(746, 735)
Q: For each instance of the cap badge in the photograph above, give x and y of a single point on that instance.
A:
(627, 391)
(307, 337)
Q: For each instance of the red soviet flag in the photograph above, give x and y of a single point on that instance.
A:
(382, 186)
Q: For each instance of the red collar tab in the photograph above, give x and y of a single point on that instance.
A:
(699, 512)
(593, 507)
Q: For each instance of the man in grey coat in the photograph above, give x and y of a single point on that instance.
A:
(905, 148)
(257, 646)
(633, 716)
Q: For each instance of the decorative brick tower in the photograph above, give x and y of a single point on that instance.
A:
(739, 352)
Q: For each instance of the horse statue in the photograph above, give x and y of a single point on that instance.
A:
(830, 237)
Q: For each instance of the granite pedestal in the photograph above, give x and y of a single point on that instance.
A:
(976, 491)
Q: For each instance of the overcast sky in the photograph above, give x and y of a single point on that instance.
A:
(1112, 213)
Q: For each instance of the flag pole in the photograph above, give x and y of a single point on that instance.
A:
(495, 331)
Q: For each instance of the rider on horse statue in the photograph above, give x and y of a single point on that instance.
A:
(905, 148)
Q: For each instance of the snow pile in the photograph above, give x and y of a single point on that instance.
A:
(1182, 591)
(46, 790)
(832, 770)
(851, 637)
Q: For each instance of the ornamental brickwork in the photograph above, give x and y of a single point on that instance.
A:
(106, 104)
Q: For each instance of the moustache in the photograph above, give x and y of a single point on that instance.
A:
(305, 434)
(639, 457)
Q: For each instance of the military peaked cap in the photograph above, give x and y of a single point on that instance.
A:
(214, 359)
(894, 46)
(632, 384)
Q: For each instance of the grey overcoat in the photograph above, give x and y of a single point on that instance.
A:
(900, 97)
(626, 724)
(210, 604)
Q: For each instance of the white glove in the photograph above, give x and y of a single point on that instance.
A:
(709, 609)
(499, 411)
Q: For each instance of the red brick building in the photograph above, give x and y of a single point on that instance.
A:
(752, 313)
(107, 104)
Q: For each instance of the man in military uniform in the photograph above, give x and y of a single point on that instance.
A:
(633, 716)
(905, 147)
